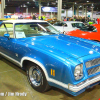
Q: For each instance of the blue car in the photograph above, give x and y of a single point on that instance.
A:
(50, 58)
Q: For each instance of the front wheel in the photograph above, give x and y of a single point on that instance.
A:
(36, 78)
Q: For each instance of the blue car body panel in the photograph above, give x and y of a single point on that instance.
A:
(58, 52)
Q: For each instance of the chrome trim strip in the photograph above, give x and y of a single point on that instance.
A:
(10, 58)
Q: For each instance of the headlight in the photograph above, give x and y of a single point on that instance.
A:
(78, 73)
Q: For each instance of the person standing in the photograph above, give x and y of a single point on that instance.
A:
(64, 18)
(98, 21)
(34, 17)
(41, 18)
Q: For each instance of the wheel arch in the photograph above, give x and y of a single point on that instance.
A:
(26, 60)
(51, 80)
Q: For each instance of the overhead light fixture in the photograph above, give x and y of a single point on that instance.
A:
(24, 5)
(87, 1)
(92, 7)
(75, 3)
(28, 2)
(80, 6)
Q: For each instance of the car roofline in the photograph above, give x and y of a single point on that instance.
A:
(22, 21)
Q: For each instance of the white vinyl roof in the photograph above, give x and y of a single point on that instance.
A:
(22, 21)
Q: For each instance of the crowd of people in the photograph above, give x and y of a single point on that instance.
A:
(40, 17)
(82, 19)
(77, 18)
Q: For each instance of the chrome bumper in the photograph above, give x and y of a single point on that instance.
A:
(76, 88)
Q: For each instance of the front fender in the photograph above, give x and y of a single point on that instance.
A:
(59, 70)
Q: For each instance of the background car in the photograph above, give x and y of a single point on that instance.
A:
(91, 32)
(50, 58)
(65, 26)
(51, 21)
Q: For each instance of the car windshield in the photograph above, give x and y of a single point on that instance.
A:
(23, 30)
(89, 28)
(78, 25)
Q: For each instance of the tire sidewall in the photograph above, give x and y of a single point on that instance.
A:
(42, 86)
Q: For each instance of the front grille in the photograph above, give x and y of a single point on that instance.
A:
(92, 63)
(93, 70)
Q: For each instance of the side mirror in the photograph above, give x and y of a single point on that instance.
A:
(7, 35)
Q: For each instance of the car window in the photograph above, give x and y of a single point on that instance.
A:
(78, 25)
(60, 24)
(65, 24)
(55, 24)
(6, 28)
(23, 30)
(89, 28)
(2, 30)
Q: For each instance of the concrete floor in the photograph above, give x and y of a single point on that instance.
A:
(13, 80)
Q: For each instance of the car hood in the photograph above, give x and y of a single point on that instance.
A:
(62, 45)
(75, 32)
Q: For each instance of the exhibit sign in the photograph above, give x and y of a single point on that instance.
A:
(49, 9)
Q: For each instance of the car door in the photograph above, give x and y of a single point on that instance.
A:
(7, 44)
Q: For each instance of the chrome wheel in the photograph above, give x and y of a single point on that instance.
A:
(35, 76)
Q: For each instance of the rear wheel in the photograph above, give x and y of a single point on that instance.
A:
(36, 78)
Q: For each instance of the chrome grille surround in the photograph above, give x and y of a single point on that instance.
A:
(92, 62)
(94, 70)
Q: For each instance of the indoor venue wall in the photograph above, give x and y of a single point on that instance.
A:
(20, 10)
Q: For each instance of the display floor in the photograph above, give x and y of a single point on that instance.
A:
(14, 86)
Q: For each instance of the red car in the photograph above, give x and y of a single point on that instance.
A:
(91, 32)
